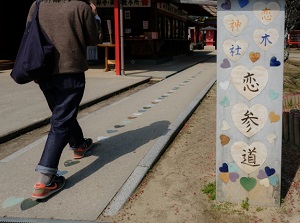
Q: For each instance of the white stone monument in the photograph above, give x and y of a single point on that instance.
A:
(249, 100)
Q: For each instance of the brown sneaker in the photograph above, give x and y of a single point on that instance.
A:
(42, 191)
(79, 152)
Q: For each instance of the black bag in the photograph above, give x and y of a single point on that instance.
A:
(35, 57)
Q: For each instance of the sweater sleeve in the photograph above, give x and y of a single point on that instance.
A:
(93, 28)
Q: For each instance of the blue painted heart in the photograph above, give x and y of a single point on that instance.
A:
(269, 171)
(224, 168)
(226, 5)
(274, 62)
(243, 3)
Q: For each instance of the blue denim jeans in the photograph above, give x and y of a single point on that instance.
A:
(63, 93)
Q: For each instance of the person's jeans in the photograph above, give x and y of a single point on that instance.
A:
(63, 94)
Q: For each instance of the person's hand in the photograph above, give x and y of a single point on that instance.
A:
(94, 8)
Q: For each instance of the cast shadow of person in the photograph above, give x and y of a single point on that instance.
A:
(118, 145)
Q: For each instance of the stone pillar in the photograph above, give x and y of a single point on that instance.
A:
(249, 101)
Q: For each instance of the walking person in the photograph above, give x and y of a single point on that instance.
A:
(71, 25)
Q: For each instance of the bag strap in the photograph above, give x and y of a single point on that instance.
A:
(36, 10)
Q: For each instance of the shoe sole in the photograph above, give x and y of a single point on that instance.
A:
(49, 194)
(83, 153)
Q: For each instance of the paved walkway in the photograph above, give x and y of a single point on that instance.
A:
(129, 136)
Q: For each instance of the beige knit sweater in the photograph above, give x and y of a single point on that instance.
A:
(71, 26)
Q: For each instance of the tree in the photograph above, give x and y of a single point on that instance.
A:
(292, 14)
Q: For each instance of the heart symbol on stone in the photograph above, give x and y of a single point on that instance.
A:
(234, 50)
(233, 176)
(70, 163)
(225, 64)
(262, 174)
(249, 83)
(274, 62)
(269, 171)
(266, 13)
(224, 177)
(271, 137)
(224, 139)
(243, 3)
(111, 131)
(242, 154)
(224, 168)
(119, 126)
(273, 180)
(265, 182)
(232, 167)
(254, 56)
(248, 183)
(28, 203)
(235, 30)
(265, 39)
(274, 117)
(11, 201)
(226, 5)
(225, 125)
(251, 120)
(225, 102)
(273, 95)
(224, 85)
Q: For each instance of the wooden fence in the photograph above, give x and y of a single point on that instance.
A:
(291, 119)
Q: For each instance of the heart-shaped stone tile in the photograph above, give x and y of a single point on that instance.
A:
(232, 168)
(265, 39)
(274, 117)
(224, 139)
(224, 177)
(225, 126)
(254, 56)
(226, 5)
(225, 64)
(233, 176)
(234, 50)
(224, 85)
(274, 62)
(28, 203)
(225, 102)
(249, 83)
(262, 174)
(243, 3)
(266, 13)
(273, 180)
(249, 158)
(248, 183)
(249, 121)
(235, 25)
(273, 95)
(271, 137)
(269, 171)
(11, 201)
(265, 182)
(224, 168)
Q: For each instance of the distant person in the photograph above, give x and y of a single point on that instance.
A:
(71, 25)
